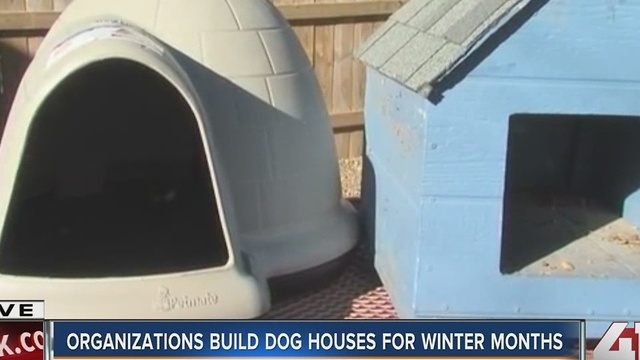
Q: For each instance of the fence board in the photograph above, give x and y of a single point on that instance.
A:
(39, 5)
(36, 5)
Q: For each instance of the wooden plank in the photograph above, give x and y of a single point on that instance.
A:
(323, 66)
(59, 5)
(347, 121)
(323, 60)
(342, 145)
(42, 20)
(323, 11)
(306, 36)
(39, 5)
(342, 82)
(361, 33)
(33, 43)
(356, 143)
(342, 78)
(12, 5)
(14, 21)
(305, 33)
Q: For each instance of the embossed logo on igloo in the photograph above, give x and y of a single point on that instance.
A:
(167, 301)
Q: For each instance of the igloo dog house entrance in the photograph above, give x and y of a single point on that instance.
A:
(144, 166)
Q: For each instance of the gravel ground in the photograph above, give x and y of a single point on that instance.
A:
(350, 176)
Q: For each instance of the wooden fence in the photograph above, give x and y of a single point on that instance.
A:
(329, 31)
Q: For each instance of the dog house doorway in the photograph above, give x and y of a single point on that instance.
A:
(113, 181)
(570, 201)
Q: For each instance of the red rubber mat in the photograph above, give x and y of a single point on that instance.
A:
(356, 293)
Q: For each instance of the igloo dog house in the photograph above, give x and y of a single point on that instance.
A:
(163, 159)
(503, 165)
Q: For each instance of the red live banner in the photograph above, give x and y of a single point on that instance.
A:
(21, 340)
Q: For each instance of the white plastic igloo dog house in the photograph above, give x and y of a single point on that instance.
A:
(162, 159)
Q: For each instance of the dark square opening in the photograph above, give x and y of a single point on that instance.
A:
(113, 181)
(567, 205)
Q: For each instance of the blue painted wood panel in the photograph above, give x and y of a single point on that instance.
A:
(594, 40)
(440, 167)
(395, 155)
(458, 212)
(484, 106)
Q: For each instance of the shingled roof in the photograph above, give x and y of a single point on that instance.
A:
(425, 39)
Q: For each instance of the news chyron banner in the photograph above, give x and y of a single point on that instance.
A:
(319, 339)
(22, 330)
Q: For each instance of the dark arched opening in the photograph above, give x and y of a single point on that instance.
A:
(113, 182)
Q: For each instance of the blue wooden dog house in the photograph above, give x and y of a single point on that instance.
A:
(503, 159)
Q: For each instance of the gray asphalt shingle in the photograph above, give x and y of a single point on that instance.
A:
(388, 45)
(405, 13)
(442, 61)
(425, 39)
(380, 32)
(431, 14)
(409, 59)
(489, 23)
(463, 27)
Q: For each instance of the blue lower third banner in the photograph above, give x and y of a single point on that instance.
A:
(308, 339)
